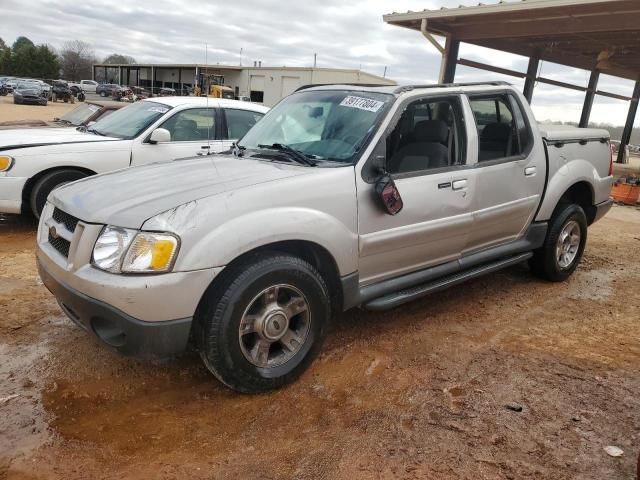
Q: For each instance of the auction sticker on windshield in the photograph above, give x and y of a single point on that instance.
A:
(362, 103)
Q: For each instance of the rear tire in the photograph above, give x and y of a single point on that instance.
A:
(259, 294)
(564, 245)
(49, 182)
(103, 94)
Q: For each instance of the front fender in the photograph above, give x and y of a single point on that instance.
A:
(572, 172)
(206, 247)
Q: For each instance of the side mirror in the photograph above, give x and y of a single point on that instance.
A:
(160, 135)
(388, 194)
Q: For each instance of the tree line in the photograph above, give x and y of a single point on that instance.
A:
(74, 61)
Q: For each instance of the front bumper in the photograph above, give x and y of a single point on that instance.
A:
(602, 209)
(126, 334)
(11, 194)
(33, 100)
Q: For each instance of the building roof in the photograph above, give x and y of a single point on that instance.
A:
(587, 34)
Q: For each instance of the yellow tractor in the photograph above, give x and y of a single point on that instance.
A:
(212, 85)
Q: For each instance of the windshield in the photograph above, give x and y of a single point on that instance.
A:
(131, 121)
(324, 125)
(79, 115)
(27, 85)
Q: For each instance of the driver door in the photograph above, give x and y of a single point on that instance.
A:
(426, 157)
(194, 131)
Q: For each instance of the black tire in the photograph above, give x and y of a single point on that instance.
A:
(103, 93)
(219, 315)
(47, 183)
(545, 262)
(81, 96)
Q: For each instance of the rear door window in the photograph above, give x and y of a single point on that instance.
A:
(502, 129)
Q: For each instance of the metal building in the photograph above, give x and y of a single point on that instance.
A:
(600, 36)
(262, 84)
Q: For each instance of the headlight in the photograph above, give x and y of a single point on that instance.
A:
(151, 253)
(6, 162)
(17, 92)
(110, 247)
(120, 250)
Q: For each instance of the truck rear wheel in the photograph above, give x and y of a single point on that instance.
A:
(263, 324)
(562, 250)
(49, 182)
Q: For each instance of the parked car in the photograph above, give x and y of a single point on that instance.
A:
(119, 93)
(60, 91)
(341, 196)
(166, 92)
(83, 86)
(29, 92)
(144, 132)
(4, 88)
(9, 83)
(106, 89)
(82, 116)
(243, 98)
(140, 93)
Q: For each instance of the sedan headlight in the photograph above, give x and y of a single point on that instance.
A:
(120, 250)
(6, 162)
(17, 93)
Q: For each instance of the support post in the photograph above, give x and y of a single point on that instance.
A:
(180, 79)
(450, 60)
(532, 74)
(119, 75)
(588, 99)
(628, 127)
(106, 80)
(153, 79)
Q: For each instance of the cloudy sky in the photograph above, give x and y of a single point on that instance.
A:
(287, 32)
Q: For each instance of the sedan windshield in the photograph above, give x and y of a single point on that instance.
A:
(330, 125)
(79, 115)
(131, 121)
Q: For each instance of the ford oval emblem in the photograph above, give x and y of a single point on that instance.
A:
(53, 233)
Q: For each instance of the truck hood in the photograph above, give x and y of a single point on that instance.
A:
(128, 197)
(13, 139)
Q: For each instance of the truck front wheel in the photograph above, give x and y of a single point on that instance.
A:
(47, 183)
(562, 250)
(263, 323)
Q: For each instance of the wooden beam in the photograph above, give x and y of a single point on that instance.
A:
(561, 84)
(530, 82)
(490, 68)
(450, 59)
(588, 99)
(631, 118)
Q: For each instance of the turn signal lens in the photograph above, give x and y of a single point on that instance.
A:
(6, 162)
(151, 253)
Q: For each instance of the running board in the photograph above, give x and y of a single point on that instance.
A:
(394, 299)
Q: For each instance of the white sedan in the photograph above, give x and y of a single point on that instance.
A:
(35, 161)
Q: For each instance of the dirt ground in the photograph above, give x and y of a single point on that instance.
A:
(418, 392)
(10, 111)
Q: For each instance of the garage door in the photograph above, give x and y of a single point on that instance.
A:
(257, 83)
(289, 85)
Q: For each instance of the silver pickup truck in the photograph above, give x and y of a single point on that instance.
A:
(342, 196)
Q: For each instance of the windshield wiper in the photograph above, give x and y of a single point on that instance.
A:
(294, 154)
(95, 132)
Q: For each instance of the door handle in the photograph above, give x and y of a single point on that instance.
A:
(204, 150)
(529, 171)
(459, 184)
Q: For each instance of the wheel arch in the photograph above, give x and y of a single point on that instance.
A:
(313, 253)
(582, 194)
(30, 183)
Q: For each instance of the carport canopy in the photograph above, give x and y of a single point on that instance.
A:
(601, 36)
